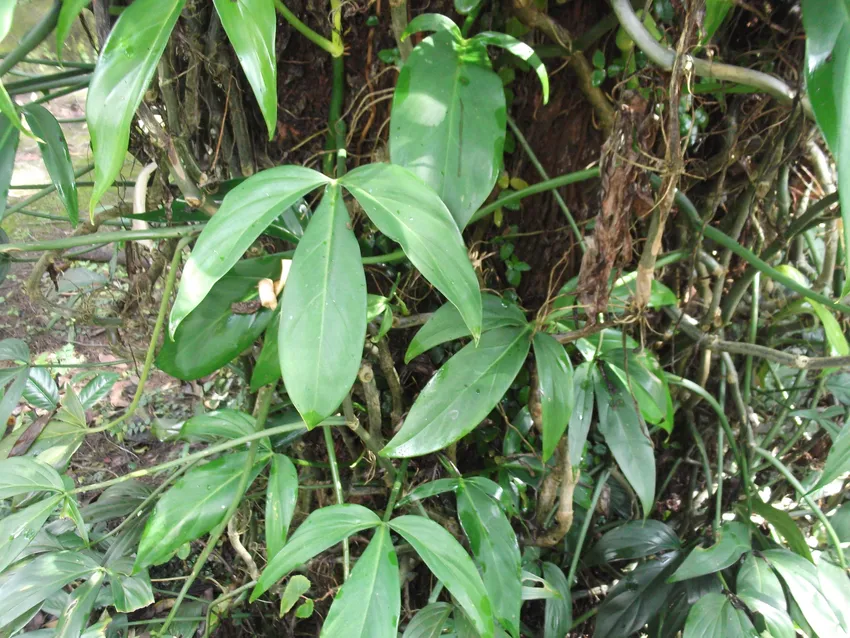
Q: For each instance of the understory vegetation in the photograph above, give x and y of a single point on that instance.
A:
(476, 319)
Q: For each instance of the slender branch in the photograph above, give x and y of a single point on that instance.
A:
(585, 526)
(103, 238)
(340, 499)
(331, 47)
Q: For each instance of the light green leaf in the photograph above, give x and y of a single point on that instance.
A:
(785, 525)
(776, 621)
(631, 540)
(642, 375)
(9, 136)
(71, 510)
(626, 437)
(131, 593)
(368, 604)
(714, 616)
(296, 587)
(755, 578)
(558, 612)
(835, 586)
(837, 460)
(21, 475)
(428, 621)
(496, 551)
(41, 391)
(281, 497)
(97, 389)
(57, 159)
(431, 22)
(124, 70)
(244, 214)
(69, 12)
(323, 313)
(445, 557)
(19, 529)
(14, 350)
(715, 13)
(250, 26)
(7, 12)
(411, 214)
(555, 382)
(448, 121)
(17, 383)
(322, 529)
(733, 539)
(832, 329)
(192, 507)
(267, 366)
(522, 51)
(75, 616)
(220, 424)
(584, 380)
(462, 393)
(429, 489)
(447, 325)
(9, 109)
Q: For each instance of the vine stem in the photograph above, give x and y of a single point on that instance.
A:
(334, 48)
(399, 480)
(264, 402)
(830, 531)
(585, 525)
(340, 499)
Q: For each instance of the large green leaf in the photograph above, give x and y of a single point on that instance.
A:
(75, 616)
(322, 529)
(244, 214)
(212, 335)
(428, 621)
(584, 380)
(429, 489)
(281, 496)
(409, 212)
(837, 460)
(57, 159)
(755, 578)
(116, 501)
(126, 65)
(14, 350)
(785, 525)
(496, 551)
(555, 382)
(448, 120)
(558, 612)
(323, 313)
(445, 557)
(835, 585)
(802, 580)
(20, 475)
(446, 324)
(9, 136)
(250, 26)
(19, 529)
(40, 579)
(733, 539)
(220, 424)
(462, 393)
(130, 593)
(97, 389)
(41, 391)
(7, 12)
(369, 602)
(714, 616)
(641, 373)
(69, 12)
(715, 12)
(634, 539)
(626, 436)
(192, 507)
(267, 366)
(521, 50)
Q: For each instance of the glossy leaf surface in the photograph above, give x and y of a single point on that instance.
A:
(68, 14)
(837, 460)
(20, 475)
(281, 497)
(220, 424)
(584, 380)
(428, 621)
(19, 529)
(634, 539)
(57, 159)
(267, 366)
(130, 593)
(323, 313)
(521, 50)
(558, 612)
(97, 389)
(555, 383)
(785, 525)
(714, 616)
(9, 136)
(733, 540)
(462, 393)
(41, 391)
(835, 585)
(75, 616)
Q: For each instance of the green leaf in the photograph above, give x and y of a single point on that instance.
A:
(322, 529)
(305, 609)
(40, 579)
(57, 159)
(465, 7)
(429, 489)
(7, 12)
(14, 350)
(68, 14)
(368, 604)
(19, 529)
(558, 612)
(296, 587)
(431, 22)
(131, 593)
(116, 501)
(124, 70)
(411, 214)
(495, 548)
(75, 616)
(9, 109)
(244, 213)
(448, 121)
(756, 579)
(837, 460)
(281, 497)
(323, 313)
(715, 13)
(428, 621)
(636, 598)
(9, 136)
(71, 510)
(41, 391)
(626, 437)
(17, 383)
(776, 621)
(835, 586)
(445, 557)
(631, 540)
(212, 335)
(785, 525)
(462, 393)
(446, 324)
(522, 51)
(220, 424)
(267, 367)
(250, 26)
(21, 475)
(832, 329)
(733, 539)
(555, 382)
(642, 375)
(584, 380)
(97, 389)
(192, 507)
(802, 580)
(714, 616)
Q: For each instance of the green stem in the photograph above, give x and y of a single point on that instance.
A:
(399, 480)
(47, 190)
(336, 135)
(61, 64)
(340, 499)
(585, 525)
(584, 617)
(57, 94)
(104, 238)
(24, 85)
(754, 326)
(32, 39)
(57, 83)
(335, 49)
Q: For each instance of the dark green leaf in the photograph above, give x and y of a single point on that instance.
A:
(777, 621)
(626, 437)
(410, 213)
(41, 391)
(9, 136)
(496, 551)
(250, 26)
(429, 621)
(785, 525)
(447, 325)
(116, 501)
(126, 65)
(75, 616)
(131, 593)
(429, 489)
(281, 496)
(57, 159)
(296, 587)
(755, 578)
(432, 22)
(714, 616)
(448, 121)
(5, 262)
(465, 7)
(521, 50)
(17, 382)
(69, 12)
(584, 381)
(323, 313)
(220, 424)
(555, 382)
(97, 389)
(267, 367)
(244, 213)
(641, 374)
(733, 539)
(462, 393)
(445, 557)
(558, 614)
(369, 603)
(322, 529)
(19, 529)
(635, 539)
(192, 507)
(21, 475)
(71, 510)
